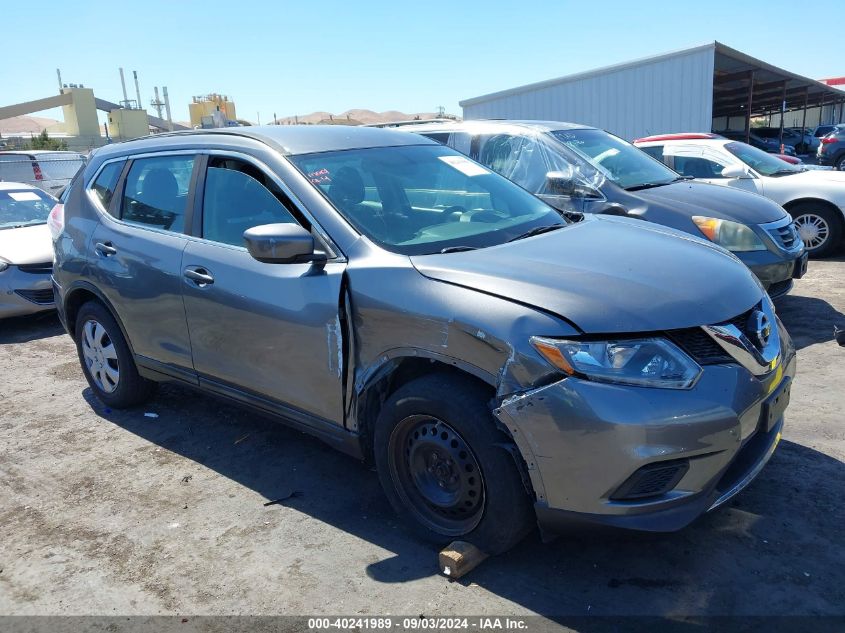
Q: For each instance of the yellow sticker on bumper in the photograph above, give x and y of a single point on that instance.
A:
(775, 383)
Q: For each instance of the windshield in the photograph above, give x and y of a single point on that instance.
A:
(24, 207)
(760, 161)
(621, 162)
(422, 199)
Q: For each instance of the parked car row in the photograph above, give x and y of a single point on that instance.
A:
(769, 145)
(46, 169)
(583, 169)
(501, 361)
(814, 198)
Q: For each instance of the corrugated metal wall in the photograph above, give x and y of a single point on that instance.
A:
(670, 94)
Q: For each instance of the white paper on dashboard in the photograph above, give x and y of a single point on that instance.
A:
(24, 196)
(464, 165)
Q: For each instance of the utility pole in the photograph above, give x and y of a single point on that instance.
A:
(157, 103)
(167, 108)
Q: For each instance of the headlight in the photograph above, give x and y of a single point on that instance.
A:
(3, 265)
(730, 235)
(645, 362)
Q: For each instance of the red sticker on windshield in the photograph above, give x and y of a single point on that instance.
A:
(319, 177)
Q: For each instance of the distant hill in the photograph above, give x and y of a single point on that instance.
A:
(24, 124)
(364, 116)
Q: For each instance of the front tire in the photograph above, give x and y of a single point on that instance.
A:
(840, 163)
(107, 361)
(819, 226)
(445, 467)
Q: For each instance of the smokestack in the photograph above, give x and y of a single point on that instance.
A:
(157, 104)
(123, 85)
(137, 90)
(167, 108)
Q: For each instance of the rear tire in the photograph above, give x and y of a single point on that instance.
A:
(819, 226)
(107, 361)
(445, 467)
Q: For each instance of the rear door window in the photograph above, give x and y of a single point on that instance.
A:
(156, 192)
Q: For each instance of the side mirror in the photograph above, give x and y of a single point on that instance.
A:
(559, 183)
(565, 183)
(281, 244)
(735, 171)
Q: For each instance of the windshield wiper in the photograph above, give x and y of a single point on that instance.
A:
(785, 172)
(458, 249)
(649, 185)
(537, 230)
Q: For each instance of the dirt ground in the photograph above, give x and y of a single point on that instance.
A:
(106, 512)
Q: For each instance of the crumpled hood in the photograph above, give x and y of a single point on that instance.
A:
(608, 275)
(26, 245)
(699, 198)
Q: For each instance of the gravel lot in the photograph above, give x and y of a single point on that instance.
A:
(106, 512)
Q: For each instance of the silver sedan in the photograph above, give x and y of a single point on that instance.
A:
(26, 251)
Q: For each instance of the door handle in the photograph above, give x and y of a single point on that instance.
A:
(200, 276)
(105, 249)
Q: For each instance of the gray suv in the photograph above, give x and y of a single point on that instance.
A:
(831, 149)
(498, 364)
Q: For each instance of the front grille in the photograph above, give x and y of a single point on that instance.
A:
(37, 269)
(698, 344)
(652, 480)
(741, 322)
(41, 297)
(785, 236)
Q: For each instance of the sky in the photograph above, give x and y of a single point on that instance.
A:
(298, 57)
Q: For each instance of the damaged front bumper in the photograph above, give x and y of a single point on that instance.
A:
(644, 458)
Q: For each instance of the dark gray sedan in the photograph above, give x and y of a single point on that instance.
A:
(497, 363)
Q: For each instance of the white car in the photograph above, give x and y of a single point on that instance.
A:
(815, 198)
(46, 169)
(26, 250)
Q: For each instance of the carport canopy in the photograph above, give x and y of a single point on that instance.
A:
(747, 87)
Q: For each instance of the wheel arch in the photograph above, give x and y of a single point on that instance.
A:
(810, 200)
(403, 366)
(396, 368)
(80, 294)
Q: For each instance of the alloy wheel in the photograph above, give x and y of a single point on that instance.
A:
(813, 229)
(436, 474)
(100, 356)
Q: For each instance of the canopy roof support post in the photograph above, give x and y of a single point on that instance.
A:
(821, 109)
(804, 120)
(782, 115)
(748, 106)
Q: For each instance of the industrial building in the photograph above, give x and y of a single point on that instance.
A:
(81, 128)
(709, 87)
(213, 110)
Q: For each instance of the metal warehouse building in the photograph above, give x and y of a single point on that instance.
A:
(709, 87)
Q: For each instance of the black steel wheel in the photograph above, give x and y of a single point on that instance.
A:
(446, 467)
(436, 474)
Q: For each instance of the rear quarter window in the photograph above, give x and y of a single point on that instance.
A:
(106, 182)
